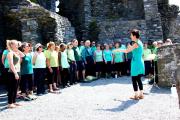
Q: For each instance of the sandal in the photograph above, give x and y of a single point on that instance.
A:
(141, 97)
(55, 89)
(11, 106)
(134, 97)
(16, 104)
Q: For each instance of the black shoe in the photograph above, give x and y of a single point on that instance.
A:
(40, 94)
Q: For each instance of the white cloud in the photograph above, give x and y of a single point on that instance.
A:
(174, 2)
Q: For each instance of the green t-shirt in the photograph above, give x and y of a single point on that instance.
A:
(77, 54)
(146, 54)
(53, 58)
(26, 65)
(154, 51)
(6, 63)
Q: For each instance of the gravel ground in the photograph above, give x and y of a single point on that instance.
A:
(104, 99)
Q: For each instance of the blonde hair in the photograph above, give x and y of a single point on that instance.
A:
(9, 43)
(49, 44)
(68, 45)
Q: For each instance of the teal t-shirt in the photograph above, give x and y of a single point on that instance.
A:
(107, 55)
(118, 56)
(81, 48)
(93, 48)
(6, 63)
(26, 65)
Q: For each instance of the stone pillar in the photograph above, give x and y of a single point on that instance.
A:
(168, 60)
(87, 18)
(153, 20)
(178, 82)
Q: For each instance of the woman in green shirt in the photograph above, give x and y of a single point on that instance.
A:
(52, 66)
(13, 57)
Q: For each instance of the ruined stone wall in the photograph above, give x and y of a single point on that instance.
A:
(115, 23)
(120, 30)
(30, 22)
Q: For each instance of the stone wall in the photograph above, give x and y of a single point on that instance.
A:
(153, 20)
(115, 23)
(120, 30)
(32, 23)
(168, 63)
(64, 32)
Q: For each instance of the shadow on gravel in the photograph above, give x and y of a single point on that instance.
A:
(100, 82)
(3, 102)
(160, 90)
(123, 106)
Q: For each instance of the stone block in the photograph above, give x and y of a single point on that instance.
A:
(168, 60)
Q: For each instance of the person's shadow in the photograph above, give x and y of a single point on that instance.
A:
(123, 106)
(3, 102)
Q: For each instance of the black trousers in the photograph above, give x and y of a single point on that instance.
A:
(39, 77)
(65, 76)
(136, 81)
(108, 67)
(52, 77)
(72, 71)
(90, 66)
(147, 67)
(12, 88)
(26, 83)
(155, 70)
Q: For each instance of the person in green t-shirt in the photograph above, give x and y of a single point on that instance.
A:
(72, 63)
(147, 60)
(52, 65)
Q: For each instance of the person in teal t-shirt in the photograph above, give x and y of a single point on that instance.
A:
(4, 59)
(6, 65)
(108, 59)
(98, 60)
(118, 60)
(27, 73)
(93, 46)
(137, 64)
